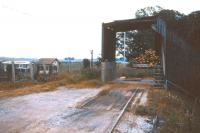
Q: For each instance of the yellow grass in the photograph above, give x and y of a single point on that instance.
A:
(176, 110)
(8, 89)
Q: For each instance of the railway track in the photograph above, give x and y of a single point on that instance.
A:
(134, 95)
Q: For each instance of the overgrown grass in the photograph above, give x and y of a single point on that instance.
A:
(11, 85)
(145, 111)
(82, 79)
(179, 113)
(69, 80)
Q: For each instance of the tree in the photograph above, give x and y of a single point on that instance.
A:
(137, 41)
(128, 41)
(148, 11)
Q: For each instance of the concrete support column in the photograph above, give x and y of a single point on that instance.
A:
(108, 71)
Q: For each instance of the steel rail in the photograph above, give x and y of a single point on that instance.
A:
(123, 110)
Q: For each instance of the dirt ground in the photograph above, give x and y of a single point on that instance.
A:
(70, 110)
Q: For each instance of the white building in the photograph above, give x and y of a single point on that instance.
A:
(22, 66)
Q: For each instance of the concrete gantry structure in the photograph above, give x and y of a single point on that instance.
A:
(109, 31)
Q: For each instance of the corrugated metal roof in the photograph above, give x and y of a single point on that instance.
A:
(47, 61)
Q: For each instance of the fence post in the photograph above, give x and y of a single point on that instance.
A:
(69, 66)
(13, 71)
(44, 70)
(31, 71)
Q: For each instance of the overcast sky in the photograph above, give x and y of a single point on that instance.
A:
(66, 28)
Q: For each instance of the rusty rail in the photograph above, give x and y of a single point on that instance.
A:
(123, 110)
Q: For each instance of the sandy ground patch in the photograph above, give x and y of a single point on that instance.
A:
(22, 113)
(59, 111)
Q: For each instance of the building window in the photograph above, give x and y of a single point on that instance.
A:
(55, 68)
(47, 67)
(40, 67)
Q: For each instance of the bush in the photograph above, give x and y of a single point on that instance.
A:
(90, 73)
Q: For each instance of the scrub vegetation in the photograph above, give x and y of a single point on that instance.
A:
(177, 113)
(71, 80)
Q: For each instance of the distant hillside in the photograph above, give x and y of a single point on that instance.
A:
(17, 59)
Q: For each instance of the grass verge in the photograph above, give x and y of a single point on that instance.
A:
(180, 113)
(69, 80)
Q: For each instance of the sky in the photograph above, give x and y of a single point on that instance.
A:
(66, 28)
